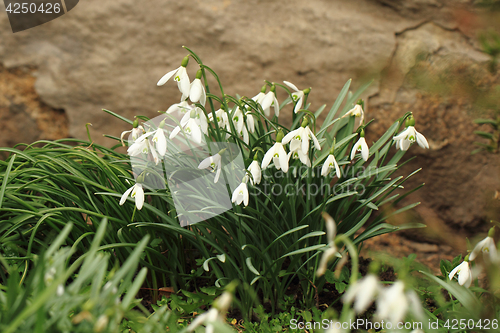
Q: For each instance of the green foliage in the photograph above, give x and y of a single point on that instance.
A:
(84, 296)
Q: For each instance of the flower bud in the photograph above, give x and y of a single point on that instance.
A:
(362, 133)
(410, 121)
(280, 135)
(185, 61)
(199, 74)
(263, 89)
(305, 122)
(491, 232)
(136, 123)
(307, 91)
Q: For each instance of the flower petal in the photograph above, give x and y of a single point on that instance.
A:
(125, 195)
(291, 85)
(167, 77)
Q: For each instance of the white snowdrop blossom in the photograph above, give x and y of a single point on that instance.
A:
(464, 273)
(408, 136)
(137, 194)
(240, 194)
(394, 303)
(180, 76)
(216, 313)
(279, 156)
(299, 154)
(255, 171)
(194, 124)
(250, 121)
(136, 133)
(361, 146)
(215, 162)
(329, 164)
(297, 96)
(487, 246)
(356, 111)
(221, 117)
(363, 292)
(270, 100)
(300, 139)
(140, 146)
(182, 108)
(197, 90)
(331, 251)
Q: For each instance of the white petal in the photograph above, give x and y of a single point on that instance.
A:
(195, 91)
(167, 77)
(205, 163)
(421, 140)
(364, 150)
(267, 101)
(276, 106)
(326, 166)
(337, 169)
(291, 85)
(464, 275)
(353, 151)
(454, 271)
(138, 194)
(313, 137)
(217, 174)
(268, 157)
(298, 106)
(402, 135)
(289, 137)
(125, 195)
(174, 132)
(283, 158)
(161, 141)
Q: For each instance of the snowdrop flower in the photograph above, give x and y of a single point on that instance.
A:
(182, 107)
(300, 138)
(140, 146)
(299, 154)
(260, 96)
(250, 121)
(216, 313)
(392, 303)
(329, 164)
(356, 111)
(160, 140)
(298, 95)
(221, 117)
(363, 292)
(136, 132)
(464, 273)
(215, 162)
(255, 171)
(278, 154)
(137, 194)
(487, 246)
(180, 76)
(270, 100)
(240, 194)
(410, 135)
(197, 90)
(361, 146)
(194, 124)
(331, 251)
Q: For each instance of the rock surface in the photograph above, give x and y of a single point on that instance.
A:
(110, 54)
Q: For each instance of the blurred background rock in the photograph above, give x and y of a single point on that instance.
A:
(424, 57)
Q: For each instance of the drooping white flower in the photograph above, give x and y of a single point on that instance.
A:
(137, 194)
(299, 154)
(136, 132)
(297, 96)
(300, 139)
(197, 90)
(140, 146)
(270, 100)
(410, 135)
(464, 273)
(363, 292)
(207, 318)
(279, 156)
(180, 76)
(331, 251)
(221, 117)
(240, 194)
(215, 162)
(361, 146)
(260, 96)
(487, 246)
(182, 108)
(356, 111)
(255, 171)
(392, 303)
(194, 124)
(250, 121)
(330, 163)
